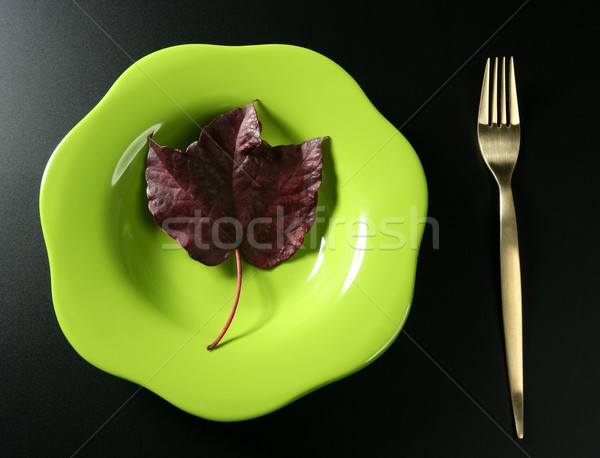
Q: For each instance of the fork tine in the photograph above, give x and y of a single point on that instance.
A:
(503, 93)
(484, 101)
(513, 105)
(495, 93)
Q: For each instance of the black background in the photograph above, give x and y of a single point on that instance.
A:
(56, 64)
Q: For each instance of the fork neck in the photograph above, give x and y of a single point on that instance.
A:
(504, 180)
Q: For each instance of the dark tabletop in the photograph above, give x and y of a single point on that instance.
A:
(441, 389)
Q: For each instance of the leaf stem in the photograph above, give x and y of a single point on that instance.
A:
(238, 260)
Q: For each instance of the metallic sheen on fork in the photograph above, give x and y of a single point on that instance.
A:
(499, 146)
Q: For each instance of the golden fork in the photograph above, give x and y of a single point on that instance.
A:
(498, 131)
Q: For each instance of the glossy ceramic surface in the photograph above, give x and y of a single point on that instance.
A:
(134, 304)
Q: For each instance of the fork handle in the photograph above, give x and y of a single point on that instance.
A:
(510, 271)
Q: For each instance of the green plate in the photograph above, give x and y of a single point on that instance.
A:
(134, 304)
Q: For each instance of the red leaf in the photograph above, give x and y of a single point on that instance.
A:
(232, 191)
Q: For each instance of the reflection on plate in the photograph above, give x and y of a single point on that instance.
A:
(134, 304)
